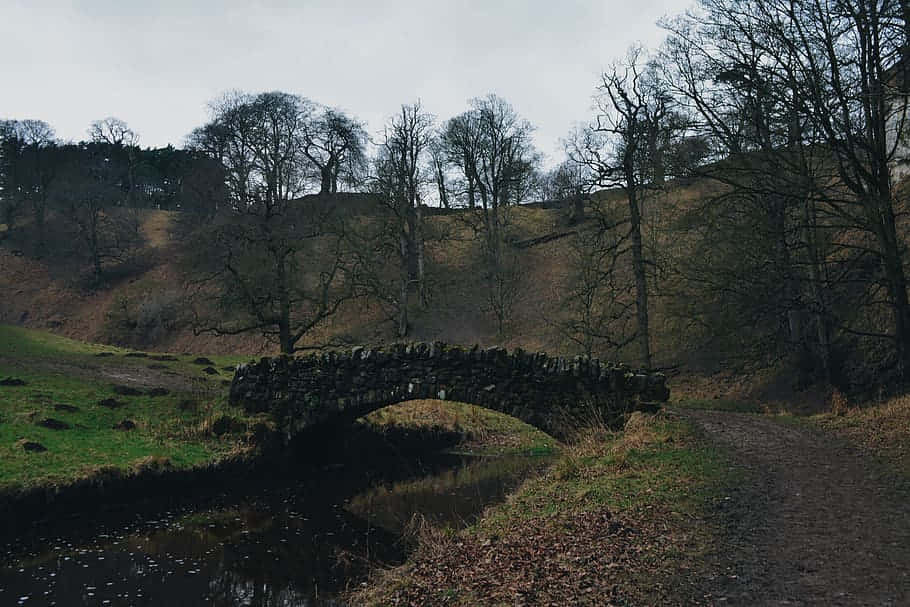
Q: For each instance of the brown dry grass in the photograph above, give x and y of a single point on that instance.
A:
(156, 228)
(595, 530)
(457, 311)
(883, 430)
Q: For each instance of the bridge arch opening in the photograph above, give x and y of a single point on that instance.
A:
(470, 424)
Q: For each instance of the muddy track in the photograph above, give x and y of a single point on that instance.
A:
(814, 524)
(113, 371)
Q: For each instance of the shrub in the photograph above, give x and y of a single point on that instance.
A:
(143, 320)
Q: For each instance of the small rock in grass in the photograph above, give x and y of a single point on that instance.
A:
(164, 357)
(202, 360)
(136, 355)
(104, 354)
(158, 366)
(187, 405)
(126, 425)
(32, 446)
(66, 408)
(111, 403)
(230, 369)
(225, 424)
(158, 392)
(12, 381)
(210, 370)
(54, 424)
(126, 390)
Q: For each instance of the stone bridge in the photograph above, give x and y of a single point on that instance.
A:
(338, 387)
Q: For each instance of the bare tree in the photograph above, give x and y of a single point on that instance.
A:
(461, 141)
(123, 141)
(571, 182)
(491, 146)
(29, 166)
(88, 194)
(113, 131)
(11, 199)
(744, 107)
(34, 132)
(440, 167)
(272, 264)
(631, 106)
(400, 179)
(599, 304)
(806, 97)
(335, 145)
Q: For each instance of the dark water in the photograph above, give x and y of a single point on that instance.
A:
(299, 543)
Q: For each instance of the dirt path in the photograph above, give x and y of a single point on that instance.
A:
(815, 524)
(115, 371)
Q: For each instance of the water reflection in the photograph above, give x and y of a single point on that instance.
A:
(452, 497)
(295, 545)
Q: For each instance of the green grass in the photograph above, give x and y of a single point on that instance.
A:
(659, 463)
(21, 344)
(485, 432)
(58, 370)
(64, 371)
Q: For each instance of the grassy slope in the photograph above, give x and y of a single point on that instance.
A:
(485, 432)
(178, 427)
(619, 517)
(58, 370)
(882, 431)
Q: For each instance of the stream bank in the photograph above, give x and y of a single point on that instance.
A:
(619, 518)
(262, 533)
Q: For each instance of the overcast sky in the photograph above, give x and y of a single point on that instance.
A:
(157, 63)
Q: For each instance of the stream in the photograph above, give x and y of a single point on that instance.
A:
(298, 542)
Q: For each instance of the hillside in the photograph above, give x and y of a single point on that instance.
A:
(43, 294)
(143, 306)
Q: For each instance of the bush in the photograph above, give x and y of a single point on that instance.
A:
(144, 320)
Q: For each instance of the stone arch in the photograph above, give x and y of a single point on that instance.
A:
(302, 393)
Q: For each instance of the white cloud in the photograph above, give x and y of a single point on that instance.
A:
(157, 64)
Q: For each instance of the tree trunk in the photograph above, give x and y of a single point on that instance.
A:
(472, 195)
(131, 178)
(897, 285)
(820, 307)
(334, 168)
(94, 250)
(656, 155)
(789, 288)
(284, 336)
(443, 191)
(40, 214)
(325, 175)
(578, 211)
(404, 279)
(411, 252)
(641, 280)
(421, 257)
(284, 317)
